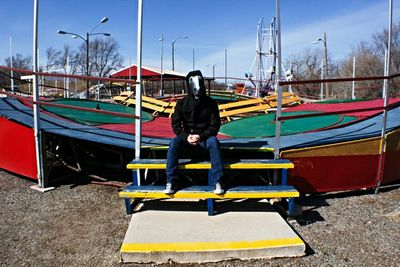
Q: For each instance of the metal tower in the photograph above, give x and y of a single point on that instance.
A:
(265, 58)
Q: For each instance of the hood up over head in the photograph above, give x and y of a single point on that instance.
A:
(195, 84)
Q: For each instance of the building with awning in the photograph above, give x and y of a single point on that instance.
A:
(171, 82)
(148, 73)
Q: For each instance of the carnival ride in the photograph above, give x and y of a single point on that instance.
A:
(361, 137)
(82, 137)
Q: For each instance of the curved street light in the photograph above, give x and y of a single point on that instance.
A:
(173, 54)
(173, 49)
(87, 42)
(319, 40)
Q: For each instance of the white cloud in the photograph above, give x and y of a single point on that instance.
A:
(343, 33)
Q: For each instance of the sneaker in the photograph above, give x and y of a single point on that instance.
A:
(168, 189)
(218, 189)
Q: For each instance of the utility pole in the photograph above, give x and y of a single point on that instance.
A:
(87, 42)
(161, 74)
(11, 65)
(326, 65)
(226, 68)
(173, 55)
(193, 58)
(323, 40)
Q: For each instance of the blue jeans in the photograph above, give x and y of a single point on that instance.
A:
(178, 145)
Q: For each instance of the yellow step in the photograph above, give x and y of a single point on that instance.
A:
(234, 164)
(206, 192)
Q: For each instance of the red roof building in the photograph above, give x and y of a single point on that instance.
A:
(148, 73)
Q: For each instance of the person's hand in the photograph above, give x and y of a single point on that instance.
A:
(193, 139)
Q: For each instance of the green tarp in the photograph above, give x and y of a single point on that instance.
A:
(94, 118)
(264, 125)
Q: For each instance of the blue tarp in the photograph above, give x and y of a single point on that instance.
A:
(14, 110)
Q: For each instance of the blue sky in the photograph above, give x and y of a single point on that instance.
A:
(211, 25)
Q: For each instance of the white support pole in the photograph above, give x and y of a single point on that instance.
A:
(11, 65)
(64, 87)
(291, 75)
(98, 91)
(76, 88)
(130, 74)
(385, 104)
(353, 84)
(36, 112)
(277, 79)
(138, 93)
(385, 73)
(68, 71)
(321, 93)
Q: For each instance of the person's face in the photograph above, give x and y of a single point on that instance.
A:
(194, 84)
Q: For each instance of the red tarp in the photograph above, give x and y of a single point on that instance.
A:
(346, 106)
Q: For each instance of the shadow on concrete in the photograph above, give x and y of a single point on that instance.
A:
(220, 206)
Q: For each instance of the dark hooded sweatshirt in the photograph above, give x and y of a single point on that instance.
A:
(196, 116)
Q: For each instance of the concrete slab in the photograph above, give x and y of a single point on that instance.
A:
(182, 232)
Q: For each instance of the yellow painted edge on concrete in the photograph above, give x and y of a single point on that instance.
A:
(204, 195)
(194, 166)
(209, 246)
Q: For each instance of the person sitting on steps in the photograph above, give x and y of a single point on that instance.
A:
(196, 123)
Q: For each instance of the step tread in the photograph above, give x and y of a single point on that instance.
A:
(228, 164)
(152, 191)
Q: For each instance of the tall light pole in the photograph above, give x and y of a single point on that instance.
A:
(213, 72)
(87, 42)
(11, 65)
(325, 60)
(161, 74)
(173, 53)
(226, 69)
(193, 59)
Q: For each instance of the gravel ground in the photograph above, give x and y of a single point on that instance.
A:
(85, 226)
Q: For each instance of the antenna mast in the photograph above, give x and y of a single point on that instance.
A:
(265, 57)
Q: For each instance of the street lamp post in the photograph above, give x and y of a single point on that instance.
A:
(11, 65)
(213, 73)
(173, 53)
(87, 42)
(325, 60)
(162, 65)
(213, 69)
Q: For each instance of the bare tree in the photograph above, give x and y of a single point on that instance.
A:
(68, 59)
(103, 57)
(368, 63)
(20, 62)
(52, 56)
(380, 41)
(307, 66)
(60, 59)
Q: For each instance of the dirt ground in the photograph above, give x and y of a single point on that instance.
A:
(84, 225)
